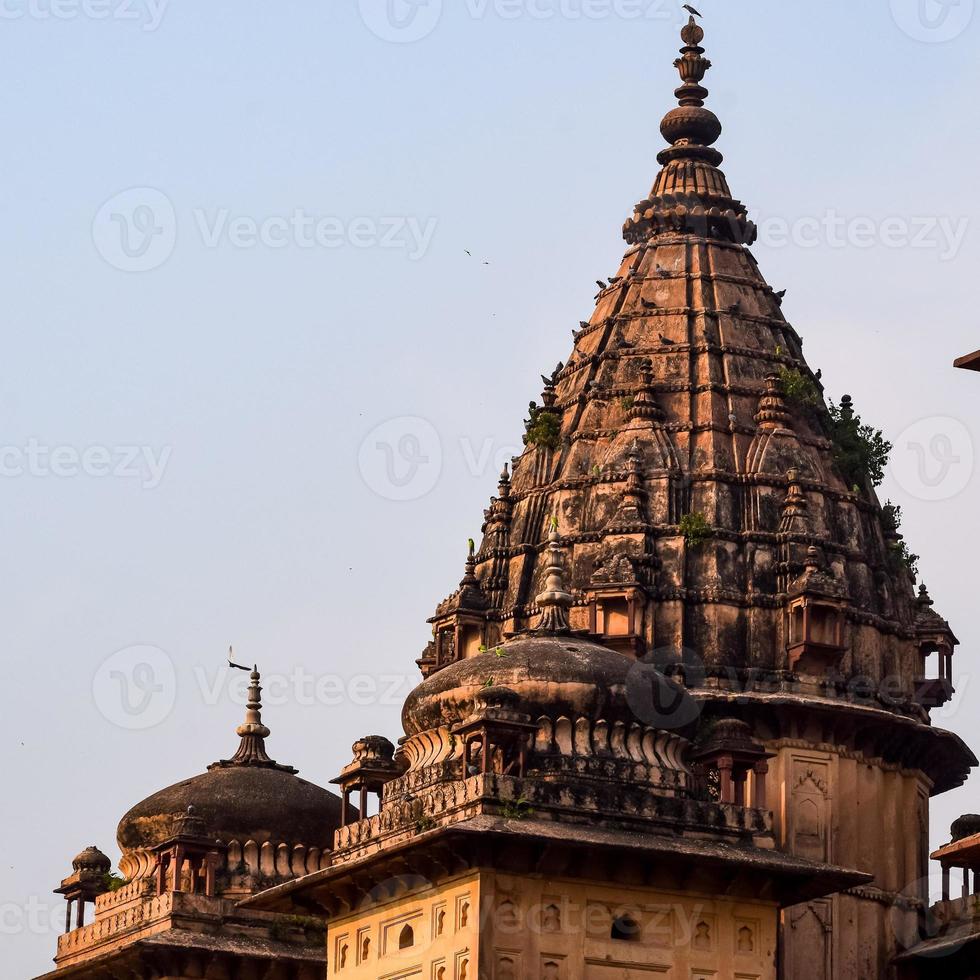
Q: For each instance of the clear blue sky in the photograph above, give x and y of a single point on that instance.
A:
(250, 375)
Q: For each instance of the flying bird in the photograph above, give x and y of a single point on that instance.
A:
(691, 10)
(231, 663)
(468, 252)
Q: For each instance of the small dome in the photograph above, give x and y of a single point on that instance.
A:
(965, 826)
(551, 675)
(92, 859)
(237, 803)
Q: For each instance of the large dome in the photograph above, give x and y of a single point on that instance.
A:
(237, 803)
(248, 797)
(552, 675)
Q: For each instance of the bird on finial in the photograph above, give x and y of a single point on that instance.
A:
(231, 663)
(691, 10)
(472, 546)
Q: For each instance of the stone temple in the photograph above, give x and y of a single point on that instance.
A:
(674, 722)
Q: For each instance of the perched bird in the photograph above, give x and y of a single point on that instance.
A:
(780, 294)
(584, 324)
(735, 307)
(819, 374)
(601, 284)
(691, 10)
(662, 272)
(649, 304)
(231, 663)
(614, 279)
(665, 340)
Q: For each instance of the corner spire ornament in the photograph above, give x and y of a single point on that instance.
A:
(554, 602)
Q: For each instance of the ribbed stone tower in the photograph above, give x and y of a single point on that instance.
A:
(716, 522)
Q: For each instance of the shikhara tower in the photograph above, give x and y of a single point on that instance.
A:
(712, 524)
(674, 721)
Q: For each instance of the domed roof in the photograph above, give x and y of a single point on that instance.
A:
(552, 674)
(237, 803)
(247, 797)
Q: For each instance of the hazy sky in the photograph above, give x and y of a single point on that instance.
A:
(194, 371)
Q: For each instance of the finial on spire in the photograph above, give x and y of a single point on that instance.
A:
(251, 749)
(772, 413)
(554, 602)
(690, 194)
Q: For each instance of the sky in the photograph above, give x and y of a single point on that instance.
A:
(279, 281)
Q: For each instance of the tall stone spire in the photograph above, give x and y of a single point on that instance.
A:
(253, 733)
(691, 193)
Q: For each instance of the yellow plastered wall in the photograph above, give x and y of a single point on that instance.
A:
(429, 935)
(495, 926)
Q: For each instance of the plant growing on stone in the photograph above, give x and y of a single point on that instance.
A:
(543, 428)
(860, 450)
(899, 554)
(695, 529)
(519, 809)
(799, 387)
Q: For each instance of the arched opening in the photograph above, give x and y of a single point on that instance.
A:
(464, 915)
(365, 948)
(406, 937)
(625, 928)
(440, 922)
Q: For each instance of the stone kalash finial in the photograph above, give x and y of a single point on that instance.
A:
(772, 413)
(644, 406)
(690, 193)
(631, 508)
(470, 594)
(794, 517)
(251, 749)
(554, 602)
